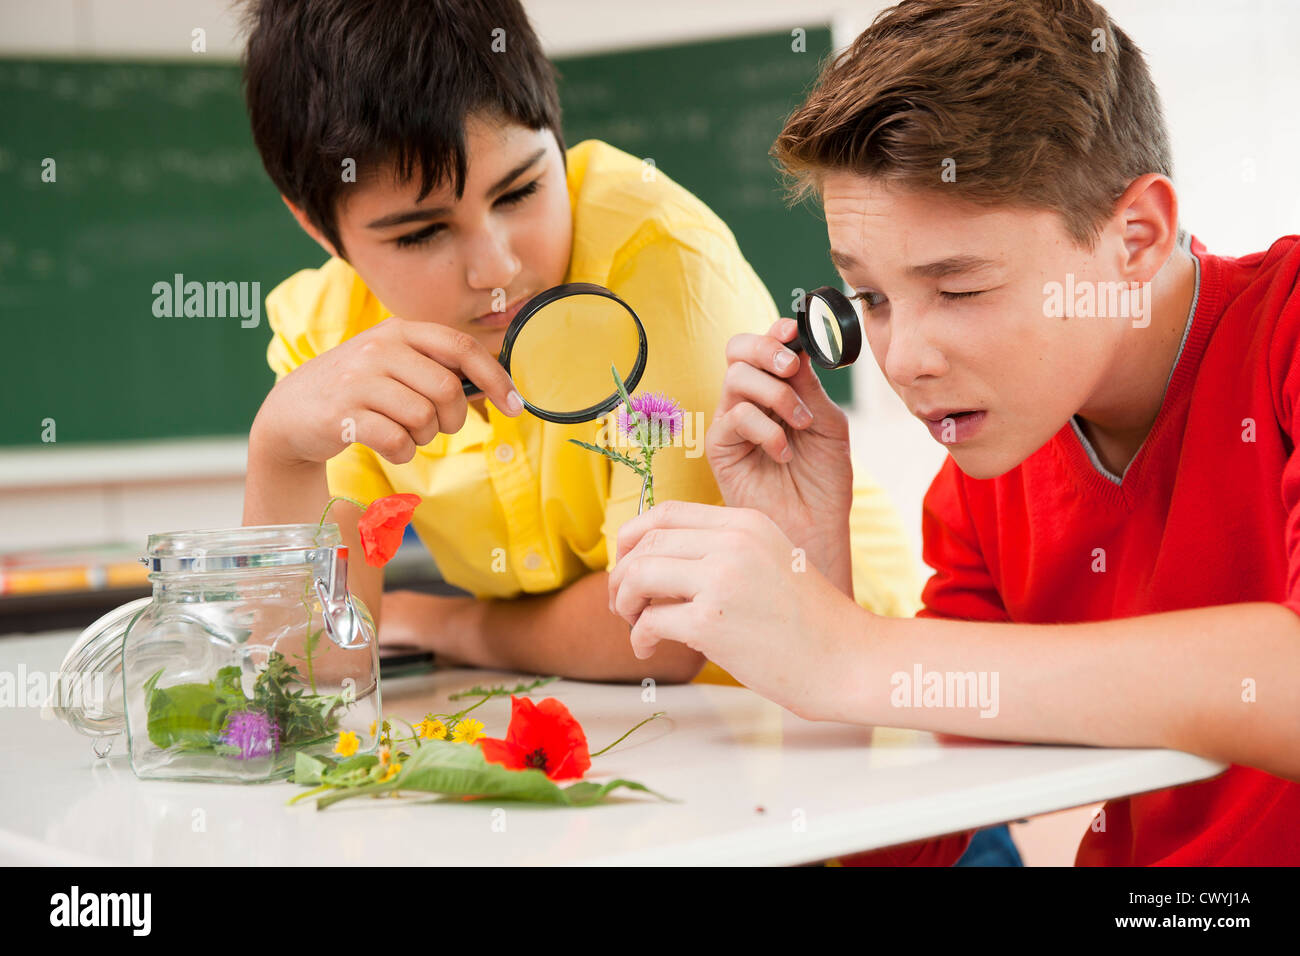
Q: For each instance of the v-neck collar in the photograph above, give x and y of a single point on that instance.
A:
(1088, 448)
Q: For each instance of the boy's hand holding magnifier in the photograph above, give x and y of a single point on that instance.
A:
(398, 384)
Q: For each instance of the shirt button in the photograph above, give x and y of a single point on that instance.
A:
(532, 560)
(505, 452)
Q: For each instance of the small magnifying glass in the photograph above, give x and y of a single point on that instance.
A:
(829, 330)
(559, 348)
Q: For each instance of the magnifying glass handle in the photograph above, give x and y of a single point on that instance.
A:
(469, 388)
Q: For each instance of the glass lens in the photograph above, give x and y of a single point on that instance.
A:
(825, 330)
(561, 360)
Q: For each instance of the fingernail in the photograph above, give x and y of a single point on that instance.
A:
(515, 402)
(802, 416)
(783, 360)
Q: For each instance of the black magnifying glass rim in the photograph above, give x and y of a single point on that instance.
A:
(846, 317)
(531, 308)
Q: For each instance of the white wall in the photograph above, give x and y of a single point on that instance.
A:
(1228, 70)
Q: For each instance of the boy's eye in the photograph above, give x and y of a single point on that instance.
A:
(953, 296)
(428, 232)
(421, 237)
(518, 196)
(870, 300)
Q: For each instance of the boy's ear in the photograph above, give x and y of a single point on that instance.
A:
(1147, 216)
(309, 227)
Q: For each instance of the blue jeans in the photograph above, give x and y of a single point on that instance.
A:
(992, 846)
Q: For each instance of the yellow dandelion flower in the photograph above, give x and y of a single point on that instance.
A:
(467, 731)
(385, 755)
(390, 773)
(431, 729)
(347, 744)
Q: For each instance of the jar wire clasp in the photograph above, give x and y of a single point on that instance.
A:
(343, 624)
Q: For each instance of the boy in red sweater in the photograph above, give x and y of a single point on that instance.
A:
(1116, 532)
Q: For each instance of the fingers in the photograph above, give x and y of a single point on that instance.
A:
(744, 383)
(403, 406)
(673, 514)
(664, 622)
(652, 577)
(439, 385)
(808, 386)
(765, 352)
(747, 425)
(384, 436)
(461, 352)
(682, 543)
(784, 330)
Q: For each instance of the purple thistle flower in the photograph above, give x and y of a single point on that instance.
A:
(662, 415)
(253, 732)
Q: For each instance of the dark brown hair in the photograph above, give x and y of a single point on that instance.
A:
(1030, 102)
(385, 83)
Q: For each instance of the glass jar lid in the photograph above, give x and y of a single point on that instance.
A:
(259, 546)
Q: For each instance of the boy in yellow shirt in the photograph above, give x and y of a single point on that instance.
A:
(428, 163)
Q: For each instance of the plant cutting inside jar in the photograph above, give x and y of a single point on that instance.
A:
(217, 717)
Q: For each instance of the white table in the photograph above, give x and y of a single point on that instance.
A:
(824, 789)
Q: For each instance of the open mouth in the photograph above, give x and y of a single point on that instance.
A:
(954, 427)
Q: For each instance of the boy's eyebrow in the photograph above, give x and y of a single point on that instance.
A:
(420, 215)
(952, 265)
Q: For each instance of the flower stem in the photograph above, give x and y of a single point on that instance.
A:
(329, 504)
(648, 453)
(629, 733)
(310, 793)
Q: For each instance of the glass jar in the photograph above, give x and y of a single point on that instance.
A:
(250, 650)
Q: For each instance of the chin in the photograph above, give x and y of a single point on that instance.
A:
(985, 463)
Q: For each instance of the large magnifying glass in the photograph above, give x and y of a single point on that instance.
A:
(829, 330)
(559, 348)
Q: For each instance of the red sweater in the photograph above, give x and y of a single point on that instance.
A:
(1207, 513)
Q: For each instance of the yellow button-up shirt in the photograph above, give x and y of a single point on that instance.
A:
(510, 506)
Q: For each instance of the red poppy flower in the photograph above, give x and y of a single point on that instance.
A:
(544, 736)
(382, 525)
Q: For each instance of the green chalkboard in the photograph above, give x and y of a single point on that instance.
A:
(154, 175)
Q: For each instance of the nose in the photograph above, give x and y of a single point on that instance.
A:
(910, 355)
(491, 263)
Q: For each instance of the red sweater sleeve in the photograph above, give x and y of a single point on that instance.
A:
(1284, 384)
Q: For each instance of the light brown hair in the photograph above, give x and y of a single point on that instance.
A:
(1041, 103)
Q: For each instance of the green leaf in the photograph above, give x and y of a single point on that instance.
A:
(307, 769)
(352, 772)
(634, 417)
(500, 690)
(190, 716)
(610, 453)
(444, 767)
(622, 388)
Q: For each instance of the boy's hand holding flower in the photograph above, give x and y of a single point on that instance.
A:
(780, 445)
(721, 581)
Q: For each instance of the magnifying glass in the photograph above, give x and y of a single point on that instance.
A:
(829, 330)
(559, 348)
